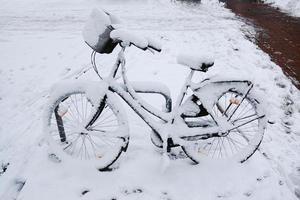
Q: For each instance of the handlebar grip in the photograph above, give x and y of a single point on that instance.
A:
(153, 44)
(148, 47)
(154, 48)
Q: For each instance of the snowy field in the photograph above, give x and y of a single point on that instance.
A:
(41, 43)
(289, 6)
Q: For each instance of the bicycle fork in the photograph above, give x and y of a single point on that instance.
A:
(60, 123)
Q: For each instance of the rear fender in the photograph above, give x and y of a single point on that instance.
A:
(209, 92)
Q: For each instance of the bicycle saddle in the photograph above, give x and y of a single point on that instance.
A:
(198, 63)
(123, 35)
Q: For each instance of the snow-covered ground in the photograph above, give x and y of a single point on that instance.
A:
(41, 43)
(290, 6)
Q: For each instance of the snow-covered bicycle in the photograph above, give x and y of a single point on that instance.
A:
(85, 120)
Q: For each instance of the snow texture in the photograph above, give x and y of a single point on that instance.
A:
(95, 26)
(129, 37)
(210, 93)
(95, 92)
(155, 44)
(41, 44)
(194, 61)
(149, 86)
(290, 6)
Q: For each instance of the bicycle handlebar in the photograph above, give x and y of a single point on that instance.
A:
(127, 38)
(149, 47)
(158, 49)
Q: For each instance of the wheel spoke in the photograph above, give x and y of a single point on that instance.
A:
(101, 139)
(240, 111)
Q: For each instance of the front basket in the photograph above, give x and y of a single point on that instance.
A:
(97, 30)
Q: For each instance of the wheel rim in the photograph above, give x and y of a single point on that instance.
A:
(92, 143)
(239, 111)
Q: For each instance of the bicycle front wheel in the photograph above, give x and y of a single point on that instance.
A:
(240, 143)
(72, 135)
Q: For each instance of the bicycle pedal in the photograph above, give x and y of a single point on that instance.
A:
(177, 155)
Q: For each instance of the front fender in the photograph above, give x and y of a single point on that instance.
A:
(95, 90)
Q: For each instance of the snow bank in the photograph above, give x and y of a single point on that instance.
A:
(289, 6)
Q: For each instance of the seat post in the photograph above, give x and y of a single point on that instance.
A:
(184, 88)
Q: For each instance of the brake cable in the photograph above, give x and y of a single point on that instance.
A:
(93, 62)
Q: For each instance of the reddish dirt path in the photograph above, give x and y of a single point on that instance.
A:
(278, 34)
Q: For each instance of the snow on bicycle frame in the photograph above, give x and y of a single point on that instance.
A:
(102, 33)
(214, 111)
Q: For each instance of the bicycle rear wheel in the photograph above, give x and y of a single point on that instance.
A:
(240, 143)
(99, 144)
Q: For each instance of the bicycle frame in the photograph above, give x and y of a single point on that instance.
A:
(128, 92)
(206, 114)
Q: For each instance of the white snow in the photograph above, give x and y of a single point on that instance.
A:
(129, 37)
(154, 44)
(290, 6)
(95, 90)
(194, 61)
(149, 86)
(41, 43)
(95, 26)
(208, 94)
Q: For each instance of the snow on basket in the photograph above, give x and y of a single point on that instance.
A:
(96, 32)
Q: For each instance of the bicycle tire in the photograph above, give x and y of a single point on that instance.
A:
(240, 143)
(107, 142)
